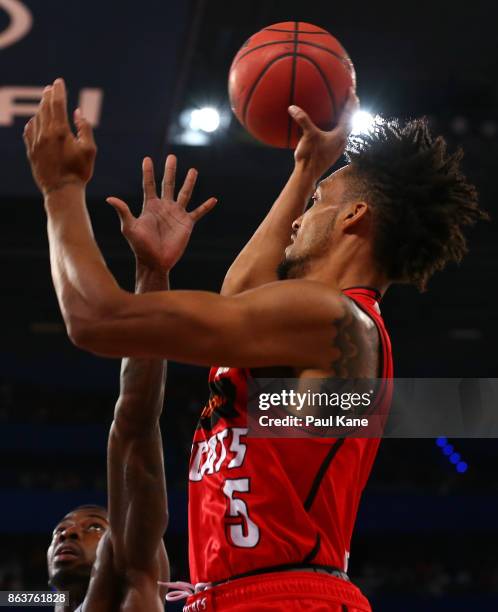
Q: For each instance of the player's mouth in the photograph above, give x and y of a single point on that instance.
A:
(67, 552)
(292, 240)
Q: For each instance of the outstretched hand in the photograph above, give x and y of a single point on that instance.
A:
(318, 150)
(56, 155)
(159, 236)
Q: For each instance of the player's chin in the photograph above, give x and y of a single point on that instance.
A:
(69, 563)
(288, 251)
(65, 572)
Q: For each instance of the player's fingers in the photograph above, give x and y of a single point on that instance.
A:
(59, 103)
(45, 111)
(185, 192)
(302, 119)
(168, 184)
(36, 127)
(28, 134)
(123, 211)
(148, 179)
(84, 130)
(203, 209)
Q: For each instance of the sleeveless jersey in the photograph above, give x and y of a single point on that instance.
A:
(259, 503)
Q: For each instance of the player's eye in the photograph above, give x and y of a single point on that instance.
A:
(312, 201)
(96, 527)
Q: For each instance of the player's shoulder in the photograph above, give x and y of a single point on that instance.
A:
(312, 296)
(322, 302)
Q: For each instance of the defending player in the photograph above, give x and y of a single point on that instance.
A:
(123, 572)
(270, 521)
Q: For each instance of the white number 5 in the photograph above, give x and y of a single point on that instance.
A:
(242, 531)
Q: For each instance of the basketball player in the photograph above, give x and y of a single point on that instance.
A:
(114, 562)
(270, 520)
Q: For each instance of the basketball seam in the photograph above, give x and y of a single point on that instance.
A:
(324, 78)
(257, 80)
(269, 65)
(301, 42)
(298, 31)
(292, 83)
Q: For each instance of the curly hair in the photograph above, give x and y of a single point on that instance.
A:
(420, 198)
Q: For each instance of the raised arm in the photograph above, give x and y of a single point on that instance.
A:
(316, 152)
(138, 512)
(62, 164)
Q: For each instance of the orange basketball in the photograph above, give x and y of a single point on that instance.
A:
(289, 63)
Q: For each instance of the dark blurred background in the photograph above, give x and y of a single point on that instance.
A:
(426, 537)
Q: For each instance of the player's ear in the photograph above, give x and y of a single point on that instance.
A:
(354, 213)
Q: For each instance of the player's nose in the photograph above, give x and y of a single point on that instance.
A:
(296, 224)
(70, 533)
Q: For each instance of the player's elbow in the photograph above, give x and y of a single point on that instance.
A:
(82, 332)
(88, 324)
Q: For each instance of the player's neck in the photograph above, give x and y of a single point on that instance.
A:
(341, 270)
(76, 596)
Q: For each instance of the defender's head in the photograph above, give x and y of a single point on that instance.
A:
(401, 203)
(73, 548)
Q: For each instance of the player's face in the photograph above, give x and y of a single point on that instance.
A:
(72, 551)
(314, 233)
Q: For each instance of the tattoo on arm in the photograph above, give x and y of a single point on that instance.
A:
(348, 340)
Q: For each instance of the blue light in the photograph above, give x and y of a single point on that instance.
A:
(449, 451)
(455, 457)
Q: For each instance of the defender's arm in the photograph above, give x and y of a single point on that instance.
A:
(138, 510)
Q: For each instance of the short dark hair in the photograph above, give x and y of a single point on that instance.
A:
(420, 198)
(97, 507)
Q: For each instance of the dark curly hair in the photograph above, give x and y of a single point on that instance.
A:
(420, 198)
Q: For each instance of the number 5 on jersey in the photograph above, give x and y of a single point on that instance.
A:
(241, 530)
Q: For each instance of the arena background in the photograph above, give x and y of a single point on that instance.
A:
(426, 537)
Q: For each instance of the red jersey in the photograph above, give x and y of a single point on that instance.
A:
(260, 503)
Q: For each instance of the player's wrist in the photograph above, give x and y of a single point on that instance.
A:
(64, 185)
(150, 279)
(306, 170)
(64, 195)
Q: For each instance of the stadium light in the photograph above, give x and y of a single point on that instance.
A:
(206, 119)
(363, 122)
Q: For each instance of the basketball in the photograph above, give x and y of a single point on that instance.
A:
(291, 62)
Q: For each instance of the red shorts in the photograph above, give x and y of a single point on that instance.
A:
(289, 591)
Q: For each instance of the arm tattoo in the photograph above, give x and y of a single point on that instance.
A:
(358, 345)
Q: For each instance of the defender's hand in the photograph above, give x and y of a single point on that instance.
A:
(159, 236)
(56, 155)
(318, 150)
